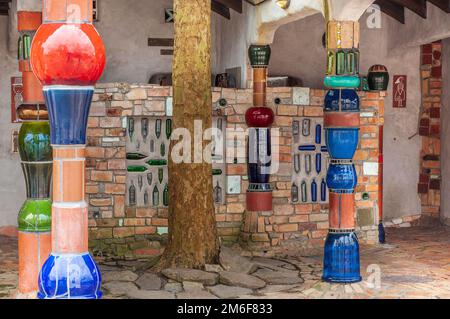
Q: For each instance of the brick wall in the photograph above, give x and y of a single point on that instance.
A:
(429, 129)
(129, 231)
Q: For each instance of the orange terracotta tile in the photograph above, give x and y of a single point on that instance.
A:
(34, 248)
(70, 229)
(73, 181)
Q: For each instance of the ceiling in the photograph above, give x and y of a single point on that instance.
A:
(396, 8)
(4, 7)
(221, 7)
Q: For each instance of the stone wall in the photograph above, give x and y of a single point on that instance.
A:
(132, 231)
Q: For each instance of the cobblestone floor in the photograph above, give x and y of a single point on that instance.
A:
(414, 264)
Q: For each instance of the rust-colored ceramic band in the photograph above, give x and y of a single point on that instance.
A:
(28, 20)
(342, 211)
(259, 201)
(341, 119)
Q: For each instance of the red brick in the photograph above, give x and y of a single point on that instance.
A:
(101, 176)
(286, 228)
(122, 232)
(95, 152)
(147, 230)
(160, 222)
(145, 212)
(115, 189)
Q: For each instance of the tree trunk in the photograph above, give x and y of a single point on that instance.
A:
(192, 228)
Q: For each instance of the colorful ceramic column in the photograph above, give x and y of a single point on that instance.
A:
(259, 118)
(341, 121)
(68, 57)
(34, 219)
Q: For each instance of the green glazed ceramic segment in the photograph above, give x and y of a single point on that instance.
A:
(344, 82)
(36, 216)
(34, 142)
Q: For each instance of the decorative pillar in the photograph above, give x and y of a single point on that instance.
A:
(381, 231)
(341, 122)
(259, 118)
(35, 151)
(68, 57)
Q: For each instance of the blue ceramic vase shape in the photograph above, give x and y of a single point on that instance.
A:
(341, 259)
(342, 100)
(70, 276)
(342, 142)
(342, 177)
(68, 111)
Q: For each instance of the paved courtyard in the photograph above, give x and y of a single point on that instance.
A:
(414, 264)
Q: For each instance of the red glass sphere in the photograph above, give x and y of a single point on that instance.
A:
(259, 117)
(67, 54)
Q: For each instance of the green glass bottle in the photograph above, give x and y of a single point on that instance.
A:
(350, 63)
(149, 179)
(20, 48)
(168, 128)
(340, 62)
(157, 162)
(330, 63)
(160, 175)
(218, 193)
(158, 128)
(135, 156)
(144, 128)
(304, 192)
(163, 149)
(217, 171)
(166, 195)
(130, 128)
(132, 194)
(155, 196)
(136, 169)
(26, 46)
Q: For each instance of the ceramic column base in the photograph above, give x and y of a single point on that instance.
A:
(70, 276)
(341, 258)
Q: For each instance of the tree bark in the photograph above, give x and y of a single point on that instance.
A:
(192, 240)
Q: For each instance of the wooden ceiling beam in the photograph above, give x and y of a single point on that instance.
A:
(221, 9)
(442, 4)
(392, 9)
(236, 5)
(417, 6)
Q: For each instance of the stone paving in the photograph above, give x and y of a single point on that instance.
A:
(414, 264)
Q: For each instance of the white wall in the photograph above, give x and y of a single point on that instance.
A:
(125, 27)
(12, 186)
